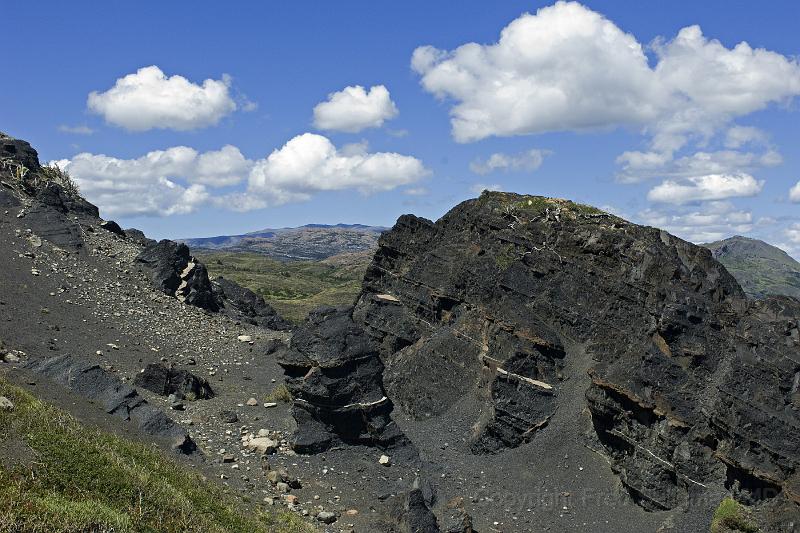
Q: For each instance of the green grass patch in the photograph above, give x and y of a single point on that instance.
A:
(292, 288)
(80, 479)
(731, 516)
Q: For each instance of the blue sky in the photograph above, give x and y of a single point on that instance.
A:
(609, 103)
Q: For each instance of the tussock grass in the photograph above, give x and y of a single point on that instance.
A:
(731, 516)
(83, 480)
(279, 394)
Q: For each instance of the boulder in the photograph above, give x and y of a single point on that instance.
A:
(334, 375)
(410, 513)
(243, 304)
(6, 404)
(175, 272)
(113, 227)
(19, 151)
(117, 398)
(262, 445)
(138, 236)
(163, 380)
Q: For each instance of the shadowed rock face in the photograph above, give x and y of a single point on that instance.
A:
(334, 375)
(175, 272)
(241, 303)
(690, 385)
(116, 397)
(164, 380)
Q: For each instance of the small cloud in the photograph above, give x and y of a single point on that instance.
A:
(478, 188)
(528, 161)
(794, 193)
(148, 99)
(354, 109)
(737, 136)
(77, 130)
(397, 133)
(248, 106)
(702, 188)
(417, 191)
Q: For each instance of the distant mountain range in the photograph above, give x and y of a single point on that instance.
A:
(759, 267)
(309, 242)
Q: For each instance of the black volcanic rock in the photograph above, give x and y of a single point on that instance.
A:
(175, 272)
(243, 304)
(164, 381)
(334, 375)
(691, 388)
(118, 399)
(19, 150)
(138, 236)
(410, 514)
(113, 227)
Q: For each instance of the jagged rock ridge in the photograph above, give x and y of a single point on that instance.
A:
(692, 386)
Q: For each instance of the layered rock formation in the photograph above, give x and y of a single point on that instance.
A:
(117, 398)
(164, 380)
(334, 375)
(174, 271)
(692, 386)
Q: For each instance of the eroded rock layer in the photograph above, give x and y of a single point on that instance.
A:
(690, 384)
(334, 375)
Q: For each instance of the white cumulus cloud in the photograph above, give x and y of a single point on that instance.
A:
(149, 99)
(354, 109)
(528, 161)
(162, 182)
(638, 166)
(707, 222)
(310, 163)
(181, 179)
(567, 67)
(700, 188)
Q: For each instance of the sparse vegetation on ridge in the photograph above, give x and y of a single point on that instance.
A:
(22, 177)
(85, 480)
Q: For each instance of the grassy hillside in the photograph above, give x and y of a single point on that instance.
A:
(293, 288)
(760, 268)
(58, 476)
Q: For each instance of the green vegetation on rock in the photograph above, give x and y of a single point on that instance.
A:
(731, 516)
(58, 476)
(293, 288)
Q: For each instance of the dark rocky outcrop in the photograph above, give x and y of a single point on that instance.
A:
(243, 304)
(138, 236)
(113, 227)
(334, 375)
(91, 381)
(49, 209)
(175, 272)
(688, 385)
(410, 514)
(20, 151)
(164, 380)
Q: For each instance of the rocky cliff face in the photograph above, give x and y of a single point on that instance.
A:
(507, 298)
